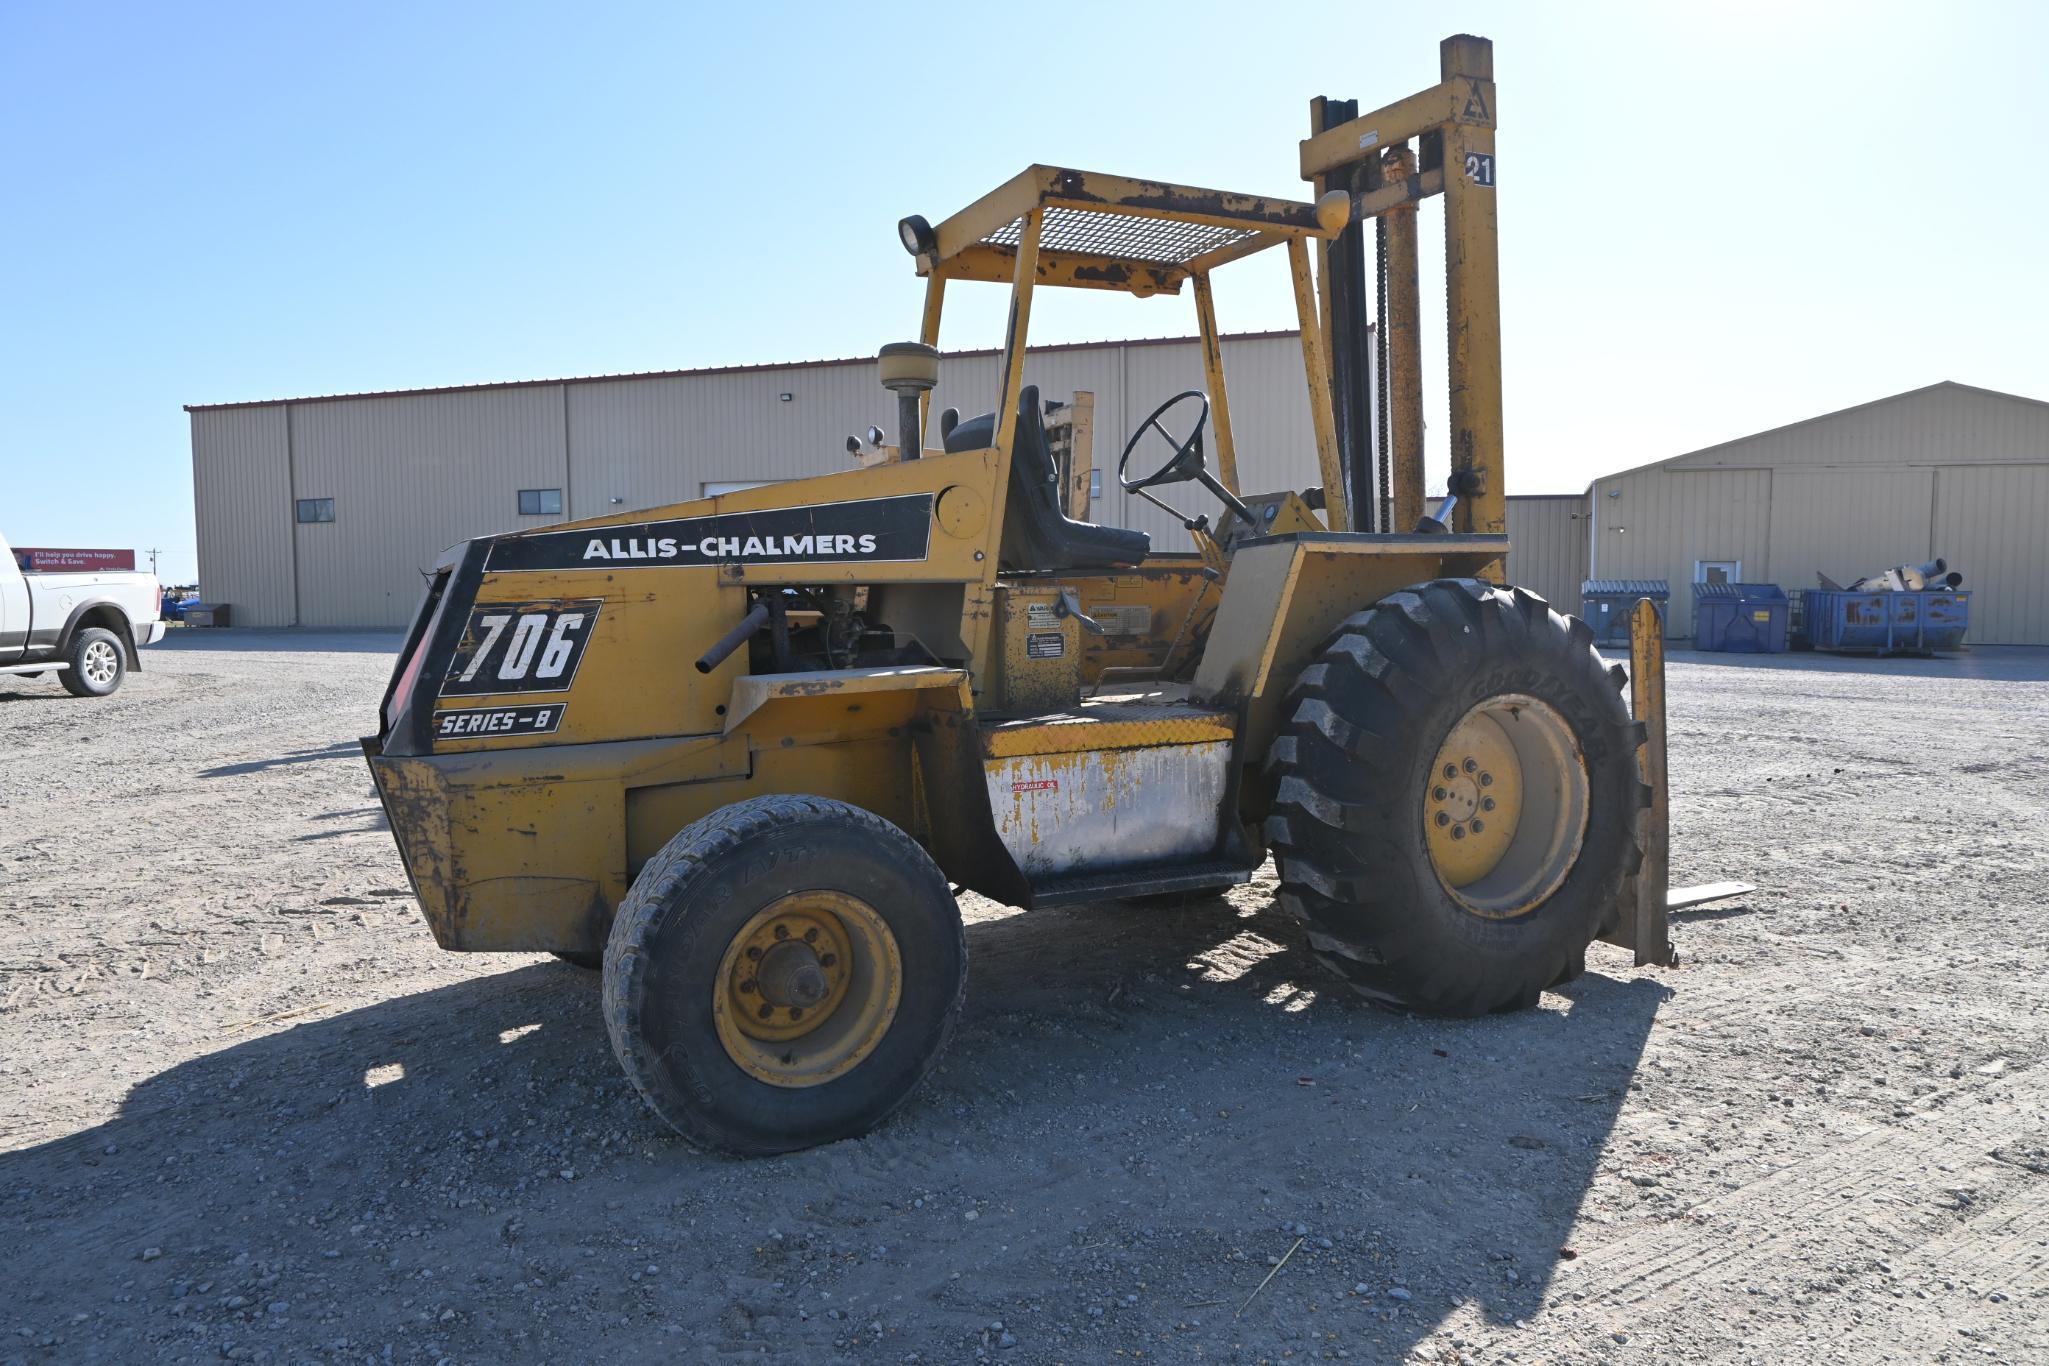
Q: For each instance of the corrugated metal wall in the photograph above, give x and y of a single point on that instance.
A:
(1941, 424)
(242, 505)
(410, 476)
(1845, 524)
(1989, 524)
(1547, 535)
(414, 473)
(1949, 470)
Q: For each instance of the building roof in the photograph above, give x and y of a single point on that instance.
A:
(709, 370)
(1820, 418)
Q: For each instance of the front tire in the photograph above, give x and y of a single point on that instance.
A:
(98, 663)
(784, 973)
(1455, 798)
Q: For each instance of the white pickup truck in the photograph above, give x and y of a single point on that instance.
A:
(86, 627)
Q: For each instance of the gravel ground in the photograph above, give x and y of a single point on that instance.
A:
(248, 1110)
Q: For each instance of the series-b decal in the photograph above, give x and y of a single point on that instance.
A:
(476, 723)
(863, 531)
(521, 647)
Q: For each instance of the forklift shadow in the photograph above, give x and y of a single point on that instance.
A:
(1258, 1090)
(1121, 1073)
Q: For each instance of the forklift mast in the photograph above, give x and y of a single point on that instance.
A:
(1437, 141)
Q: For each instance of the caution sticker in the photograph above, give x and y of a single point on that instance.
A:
(1123, 619)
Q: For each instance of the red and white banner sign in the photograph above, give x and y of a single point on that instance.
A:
(47, 561)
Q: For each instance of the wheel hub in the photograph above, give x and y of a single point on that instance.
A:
(99, 662)
(1506, 807)
(807, 988)
(791, 977)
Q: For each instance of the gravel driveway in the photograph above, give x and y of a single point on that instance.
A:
(248, 1110)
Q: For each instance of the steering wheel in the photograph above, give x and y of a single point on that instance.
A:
(1185, 463)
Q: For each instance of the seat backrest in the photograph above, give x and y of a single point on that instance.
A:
(1037, 533)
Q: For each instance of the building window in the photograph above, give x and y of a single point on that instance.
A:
(1718, 571)
(540, 502)
(316, 509)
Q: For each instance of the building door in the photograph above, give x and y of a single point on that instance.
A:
(1718, 571)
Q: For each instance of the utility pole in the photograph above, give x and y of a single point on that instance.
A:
(152, 552)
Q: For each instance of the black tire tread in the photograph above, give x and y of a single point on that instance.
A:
(627, 961)
(1330, 809)
(73, 678)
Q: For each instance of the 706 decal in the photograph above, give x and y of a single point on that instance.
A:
(521, 647)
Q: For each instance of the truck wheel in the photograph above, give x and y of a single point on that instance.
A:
(782, 974)
(1456, 797)
(98, 663)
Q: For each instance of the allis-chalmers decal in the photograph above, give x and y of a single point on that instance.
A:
(867, 531)
(521, 647)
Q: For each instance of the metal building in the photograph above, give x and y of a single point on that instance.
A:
(1547, 536)
(1948, 470)
(323, 511)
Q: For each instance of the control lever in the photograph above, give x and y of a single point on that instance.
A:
(1438, 523)
(1068, 605)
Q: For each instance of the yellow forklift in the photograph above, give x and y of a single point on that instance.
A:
(744, 751)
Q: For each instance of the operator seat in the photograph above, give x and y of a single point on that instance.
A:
(1036, 533)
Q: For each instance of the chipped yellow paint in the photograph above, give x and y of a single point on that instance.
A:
(1107, 726)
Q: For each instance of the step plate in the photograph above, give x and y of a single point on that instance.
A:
(1179, 877)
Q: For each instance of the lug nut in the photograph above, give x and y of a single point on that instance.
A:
(1439, 793)
(1471, 767)
(1444, 818)
(747, 987)
(826, 960)
(811, 935)
(753, 952)
(1477, 826)
(1451, 770)
(1486, 803)
(782, 932)
(1486, 780)
(1458, 832)
(796, 1014)
(766, 1010)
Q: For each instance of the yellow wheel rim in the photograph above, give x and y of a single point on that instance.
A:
(1505, 806)
(807, 989)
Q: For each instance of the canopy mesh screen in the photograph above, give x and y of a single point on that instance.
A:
(1162, 241)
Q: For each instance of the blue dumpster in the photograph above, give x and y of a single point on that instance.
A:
(1850, 622)
(1607, 604)
(1743, 618)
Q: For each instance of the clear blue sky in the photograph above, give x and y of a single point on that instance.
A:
(1715, 219)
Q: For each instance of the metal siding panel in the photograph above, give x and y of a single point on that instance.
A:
(1988, 525)
(410, 476)
(1665, 520)
(654, 441)
(242, 511)
(1845, 524)
(1937, 426)
(1548, 547)
(414, 473)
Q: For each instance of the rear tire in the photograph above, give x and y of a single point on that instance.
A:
(98, 663)
(784, 973)
(1387, 736)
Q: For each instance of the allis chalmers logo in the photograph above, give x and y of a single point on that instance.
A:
(868, 530)
(728, 549)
